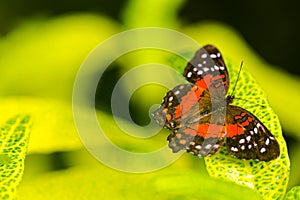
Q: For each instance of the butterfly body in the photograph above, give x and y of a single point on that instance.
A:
(201, 116)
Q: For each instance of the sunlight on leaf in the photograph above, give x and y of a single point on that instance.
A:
(14, 135)
(99, 182)
(194, 186)
(53, 128)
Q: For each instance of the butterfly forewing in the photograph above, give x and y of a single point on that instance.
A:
(176, 104)
(207, 69)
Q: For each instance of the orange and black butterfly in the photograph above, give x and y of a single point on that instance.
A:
(201, 116)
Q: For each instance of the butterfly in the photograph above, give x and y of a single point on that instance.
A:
(201, 117)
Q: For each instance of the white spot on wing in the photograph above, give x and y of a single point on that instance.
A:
(262, 150)
(242, 141)
(222, 67)
(248, 138)
(189, 74)
(255, 130)
(176, 92)
(199, 65)
(213, 55)
(234, 149)
(205, 69)
(204, 55)
(172, 124)
(198, 147)
(200, 72)
(267, 141)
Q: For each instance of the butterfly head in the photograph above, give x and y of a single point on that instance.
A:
(229, 99)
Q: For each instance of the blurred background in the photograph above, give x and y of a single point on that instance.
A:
(270, 29)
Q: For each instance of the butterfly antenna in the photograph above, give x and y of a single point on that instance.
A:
(238, 77)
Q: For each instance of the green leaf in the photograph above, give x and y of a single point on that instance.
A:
(92, 180)
(270, 179)
(53, 128)
(165, 13)
(194, 186)
(293, 194)
(49, 52)
(14, 136)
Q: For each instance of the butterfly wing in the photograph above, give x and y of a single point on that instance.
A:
(196, 133)
(247, 138)
(187, 108)
(187, 111)
(207, 72)
(207, 69)
(200, 138)
(177, 105)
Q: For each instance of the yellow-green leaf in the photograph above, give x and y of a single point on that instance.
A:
(92, 180)
(270, 179)
(293, 194)
(41, 54)
(14, 135)
(165, 13)
(53, 128)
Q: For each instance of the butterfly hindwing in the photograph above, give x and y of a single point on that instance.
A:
(201, 138)
(247, 137)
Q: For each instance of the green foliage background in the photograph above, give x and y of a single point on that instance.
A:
(39, 60)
